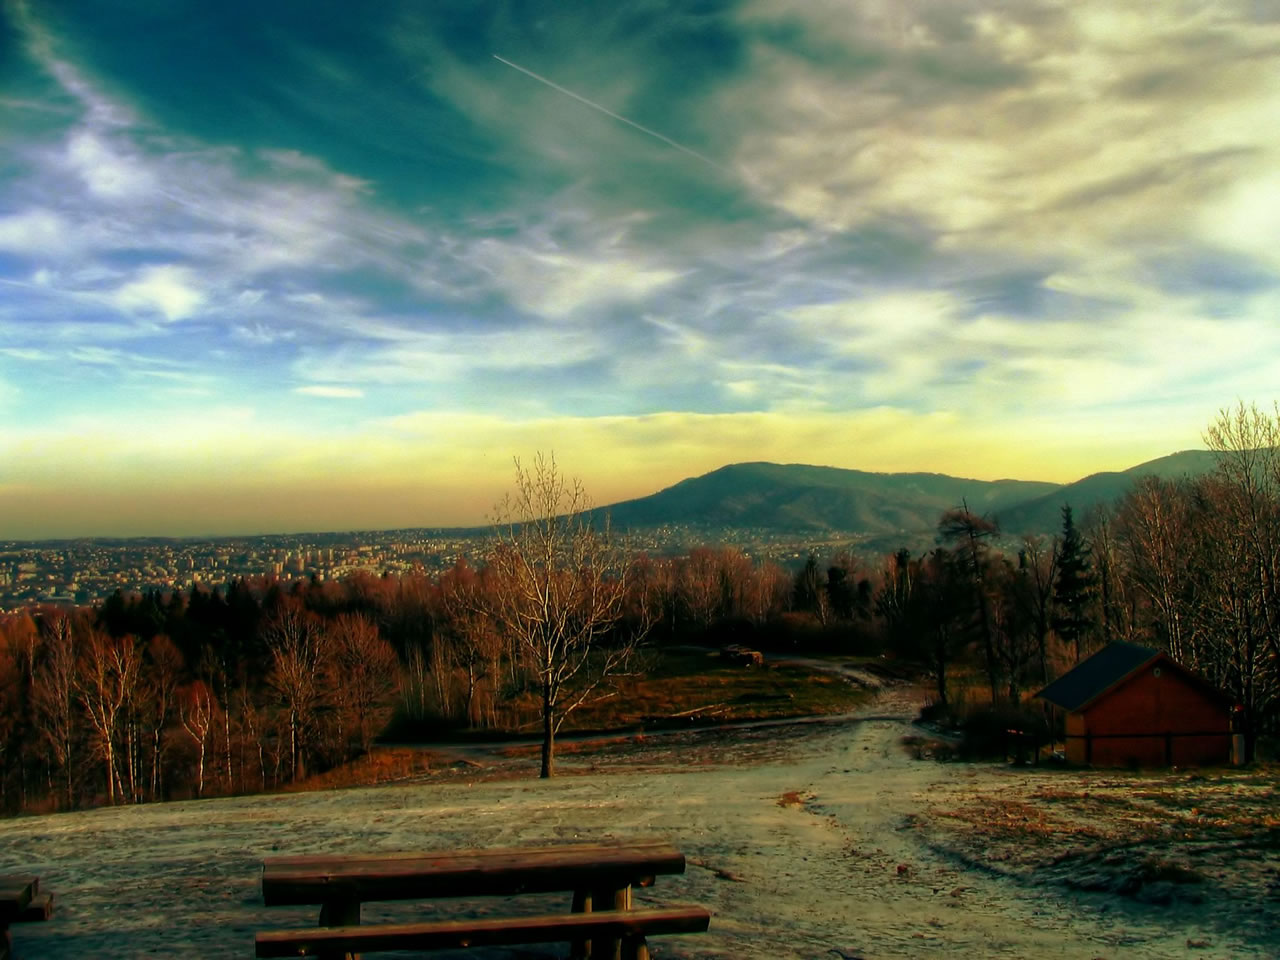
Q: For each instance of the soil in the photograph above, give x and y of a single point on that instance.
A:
(805, 840)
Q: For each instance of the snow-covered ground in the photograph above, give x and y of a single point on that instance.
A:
(798, 840)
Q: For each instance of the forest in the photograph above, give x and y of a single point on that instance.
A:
(256, 684)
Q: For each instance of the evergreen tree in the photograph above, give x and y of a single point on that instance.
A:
(1072, 592)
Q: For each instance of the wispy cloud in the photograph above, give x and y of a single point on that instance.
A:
(336, 393)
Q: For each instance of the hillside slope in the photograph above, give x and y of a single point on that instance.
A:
(1043, 514)
(817, 499)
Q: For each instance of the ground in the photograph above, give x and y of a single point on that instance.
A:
(805, 840)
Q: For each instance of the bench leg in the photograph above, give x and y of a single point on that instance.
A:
(607, 899)
(635, 948)
(580, 949)
(340, 912)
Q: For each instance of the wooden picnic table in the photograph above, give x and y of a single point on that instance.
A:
(20, 901)
(600, 876)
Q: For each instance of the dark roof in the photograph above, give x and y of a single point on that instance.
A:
(1089, 678)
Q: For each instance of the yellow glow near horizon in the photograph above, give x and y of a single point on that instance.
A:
(450, 469)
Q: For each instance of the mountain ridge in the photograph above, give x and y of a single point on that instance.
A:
(817, 499)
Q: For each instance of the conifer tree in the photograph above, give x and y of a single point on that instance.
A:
(1072, 592)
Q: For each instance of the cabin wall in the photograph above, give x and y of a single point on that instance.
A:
(1157, 703)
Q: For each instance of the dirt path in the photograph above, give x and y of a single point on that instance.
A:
(800, 841)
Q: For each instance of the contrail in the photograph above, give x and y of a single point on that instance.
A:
(617, 116)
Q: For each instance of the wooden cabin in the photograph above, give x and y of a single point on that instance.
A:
(1133, 706)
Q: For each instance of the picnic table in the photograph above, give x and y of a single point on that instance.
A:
(600, 877)
(20, 902)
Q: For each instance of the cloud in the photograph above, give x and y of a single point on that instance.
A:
(168, 290)
(108, 172)
(33, 231)
(1089, 133)
(556, 285)
(337, 393)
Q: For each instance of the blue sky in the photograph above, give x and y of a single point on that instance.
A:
(301, 266)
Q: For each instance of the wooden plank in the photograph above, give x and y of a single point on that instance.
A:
(465, 873)
(632, 925)
(40, 908)
(15, 893)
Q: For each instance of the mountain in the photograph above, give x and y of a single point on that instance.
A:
(880, 508)
(812, 499)
(1044, 514)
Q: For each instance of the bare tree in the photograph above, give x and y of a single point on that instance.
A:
(293, 636)
(560, 583)
(970, 533)
(107, 683)
(54, 698)
(1038, 561)
(198, 712)
(161, 683)
(1155, 529)
(364, 671)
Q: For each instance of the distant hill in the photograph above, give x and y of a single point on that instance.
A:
(1044, 514)
(880, 508)
(797, 497)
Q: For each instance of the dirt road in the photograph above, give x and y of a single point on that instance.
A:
(800, 841)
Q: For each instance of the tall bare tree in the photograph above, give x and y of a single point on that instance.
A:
(560, 584)
(970, 533)
(107, 683)
(363, 670)
(198, 712)
(293, 636)
(57, 678)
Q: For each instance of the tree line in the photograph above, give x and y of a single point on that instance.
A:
(254, 684)
(1188, 565)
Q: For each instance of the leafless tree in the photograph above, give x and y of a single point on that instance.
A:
(970, 533)
(294, 638)
(1038, 561)
(560, 583)
(107, 683)
(363, 669)
(54, 698)
(198, 712)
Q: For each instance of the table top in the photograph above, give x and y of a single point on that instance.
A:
(500, 871)
(15, 893)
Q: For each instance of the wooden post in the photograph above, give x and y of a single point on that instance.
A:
(610, 899)
(340, 911)
(635, 948)
(582, 902)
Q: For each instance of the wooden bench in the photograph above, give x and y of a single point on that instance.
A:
(628, 927)
(599, 875)
(20, 902)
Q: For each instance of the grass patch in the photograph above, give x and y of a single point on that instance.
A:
(382, 765)
(680, 690)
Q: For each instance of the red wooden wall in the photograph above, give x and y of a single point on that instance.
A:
(1155, 705)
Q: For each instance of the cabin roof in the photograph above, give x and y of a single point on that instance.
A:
(1092, 677)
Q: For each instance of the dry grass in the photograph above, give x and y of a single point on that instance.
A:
(1156, 838)
(383, 765)
(682, 690)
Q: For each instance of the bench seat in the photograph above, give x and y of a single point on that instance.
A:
(629, 926)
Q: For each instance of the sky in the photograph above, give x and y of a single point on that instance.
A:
(293, 266)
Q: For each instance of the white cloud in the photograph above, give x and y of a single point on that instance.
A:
(1104, 130)
(33, 231)
(554, 284)
(168, 290)
(107, 171)
(337, 393)
(25, 353)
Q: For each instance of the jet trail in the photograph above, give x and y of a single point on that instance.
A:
(617, 116)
